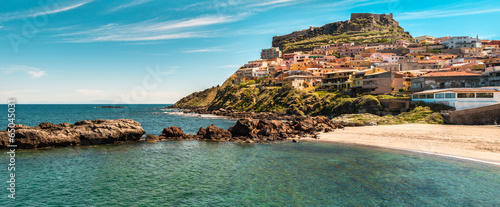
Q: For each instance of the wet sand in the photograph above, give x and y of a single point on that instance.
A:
(477, 143)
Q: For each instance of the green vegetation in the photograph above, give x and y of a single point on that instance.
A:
(380, 35)
(420, 114)
(434, 50)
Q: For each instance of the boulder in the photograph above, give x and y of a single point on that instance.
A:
(266, 131)
(201, 132)
(243, 127)
(215, 133)
(305, 125)
(173, 132)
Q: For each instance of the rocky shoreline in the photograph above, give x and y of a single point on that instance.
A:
(86, 132)
(250, 131)
(234, 114)
(99, 132)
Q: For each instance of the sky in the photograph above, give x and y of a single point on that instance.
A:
(157, 51)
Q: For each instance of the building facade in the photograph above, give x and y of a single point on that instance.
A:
(273, 52)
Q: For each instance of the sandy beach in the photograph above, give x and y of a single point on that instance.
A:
(477, 143)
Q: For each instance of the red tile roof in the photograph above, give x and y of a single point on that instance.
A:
(457, 73)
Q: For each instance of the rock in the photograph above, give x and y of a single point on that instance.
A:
(305, 125)
(81, 133)
(202, 131)
(249, 141)
(294, 141)
(370, 123)
(173, 132)
(327, 129)
(243, 127)
(151, 138)
(267, 131)
(215, 133)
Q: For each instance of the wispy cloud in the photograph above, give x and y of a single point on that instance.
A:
(131, 4)
(226, 6)
(31, 71)
(43, 10)
(443, 13)
(152, 29)
(348, 4)
(204, 50)
(274, 3)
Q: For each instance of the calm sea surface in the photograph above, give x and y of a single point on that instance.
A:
(197, 173)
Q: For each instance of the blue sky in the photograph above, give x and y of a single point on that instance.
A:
(152, 51)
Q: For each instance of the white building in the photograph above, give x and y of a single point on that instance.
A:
(462, 41)
(460, 98)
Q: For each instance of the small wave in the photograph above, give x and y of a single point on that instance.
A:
(180, 113)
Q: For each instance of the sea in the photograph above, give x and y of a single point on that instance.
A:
(200, 173)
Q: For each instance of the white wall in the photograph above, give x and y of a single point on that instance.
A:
(464, 103)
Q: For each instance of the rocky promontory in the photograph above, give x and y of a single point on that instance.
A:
(87, 132)
(250, 130)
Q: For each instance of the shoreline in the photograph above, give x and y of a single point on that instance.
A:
(473, 143)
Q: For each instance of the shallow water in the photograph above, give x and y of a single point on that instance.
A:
(197, 173)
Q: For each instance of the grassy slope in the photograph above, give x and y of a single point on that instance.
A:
(286, 100)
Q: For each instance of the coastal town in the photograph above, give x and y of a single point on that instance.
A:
(423, 69)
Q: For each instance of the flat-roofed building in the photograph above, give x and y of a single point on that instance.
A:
(460, 98)
(273, 52)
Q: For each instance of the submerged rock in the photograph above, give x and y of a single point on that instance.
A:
(80, 133)
(151, 138)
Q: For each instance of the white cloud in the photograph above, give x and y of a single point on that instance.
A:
(350, 4)
(204, 50)
(31, 71)
(131, 4)
(152, 29)
(43, 10)
(443, 13)
(272, 2)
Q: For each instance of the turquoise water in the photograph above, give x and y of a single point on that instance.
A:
(33, 114)
(197, 173)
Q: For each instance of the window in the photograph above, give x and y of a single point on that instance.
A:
(430, 95)
(450, 95)
(465, 95)
(440, 95)
(415, 97)
(484, 95)
(422, 96)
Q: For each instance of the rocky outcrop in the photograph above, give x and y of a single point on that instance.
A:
(250, 131)
(360, 23)
(80, 133)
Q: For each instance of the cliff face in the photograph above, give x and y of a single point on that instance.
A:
(361, 28)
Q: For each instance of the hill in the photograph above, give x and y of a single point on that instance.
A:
(361, 28)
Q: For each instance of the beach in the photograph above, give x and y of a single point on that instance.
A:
(477, 143)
